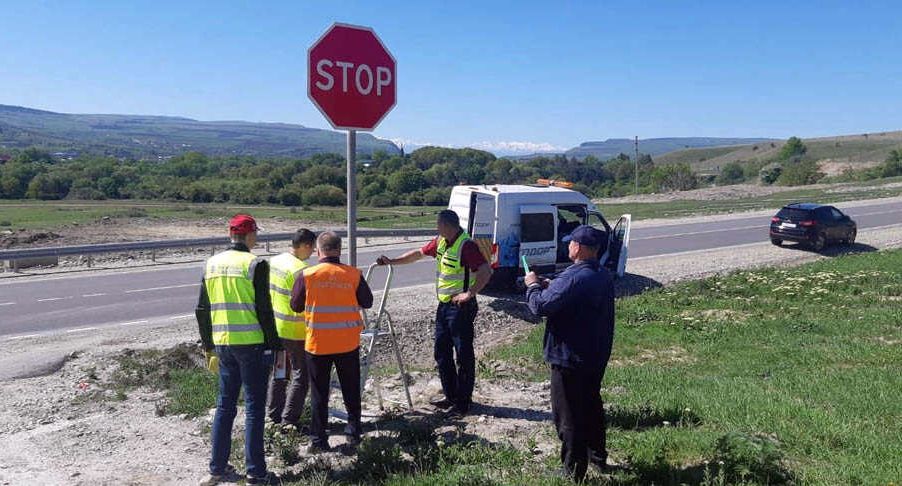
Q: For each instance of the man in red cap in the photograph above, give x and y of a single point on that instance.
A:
(235, 318)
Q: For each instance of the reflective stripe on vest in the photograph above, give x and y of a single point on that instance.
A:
(449, 272)
(229, 279)
(333, 316)
(282, 273)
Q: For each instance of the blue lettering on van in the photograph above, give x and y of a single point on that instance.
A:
(537, 251)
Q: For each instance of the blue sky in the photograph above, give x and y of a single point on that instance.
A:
(496, 75)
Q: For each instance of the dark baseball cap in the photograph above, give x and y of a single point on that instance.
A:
(243, 224)
(586, 235)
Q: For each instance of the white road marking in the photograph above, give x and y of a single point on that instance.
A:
(162, 288)
(6, 303)
(757, 226)
(689, 252)
(80, 329)
(54, 298)
(22, 337)
(93, 295)
(133, 322)
(173, 318)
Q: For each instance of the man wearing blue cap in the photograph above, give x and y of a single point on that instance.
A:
(579, 306)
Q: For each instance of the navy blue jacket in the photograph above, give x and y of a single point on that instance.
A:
(579, 306)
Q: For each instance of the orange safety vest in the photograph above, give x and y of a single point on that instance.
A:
(331, 309)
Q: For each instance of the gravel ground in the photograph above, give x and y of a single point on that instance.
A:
(54, 431)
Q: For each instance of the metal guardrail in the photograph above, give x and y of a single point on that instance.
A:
(55, 251)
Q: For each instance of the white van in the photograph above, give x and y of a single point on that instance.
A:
(511, 221)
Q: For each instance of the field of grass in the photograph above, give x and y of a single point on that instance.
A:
(687, 207)
(790, 375)
(874, 147)
(48, 215)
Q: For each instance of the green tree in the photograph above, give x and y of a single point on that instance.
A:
(48, 186)
(793, 149)
(406, 181)
(731, 173)
(676, 177)
(893, 165)
(800, 173)
(324, 195)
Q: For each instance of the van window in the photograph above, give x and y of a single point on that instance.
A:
(536, 227)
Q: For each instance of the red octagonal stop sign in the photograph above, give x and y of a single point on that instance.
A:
(351, 77)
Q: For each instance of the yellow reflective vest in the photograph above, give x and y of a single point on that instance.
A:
(229, 278)
(450, 274)
(283, 270)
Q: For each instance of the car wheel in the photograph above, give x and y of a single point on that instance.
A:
(851, 239)
(820, 242)
(776, 241)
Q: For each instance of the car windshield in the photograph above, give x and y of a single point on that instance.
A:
(793, 214)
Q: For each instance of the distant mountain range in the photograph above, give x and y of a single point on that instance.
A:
(613, 147)
(152, 137)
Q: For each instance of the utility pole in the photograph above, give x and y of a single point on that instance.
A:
(637, 165)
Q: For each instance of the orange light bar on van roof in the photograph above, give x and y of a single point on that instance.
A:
(552, 182)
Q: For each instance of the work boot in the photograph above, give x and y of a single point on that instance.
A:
(269, 479)
(318, 447)
(227, 476)
(441, 402)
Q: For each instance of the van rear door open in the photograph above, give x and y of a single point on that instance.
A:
(480, 222)
(618, 244)
(538, 234)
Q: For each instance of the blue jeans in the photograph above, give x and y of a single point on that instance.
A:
(245, 365)
(454, 334)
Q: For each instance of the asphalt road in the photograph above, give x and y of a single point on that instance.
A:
(76, 303)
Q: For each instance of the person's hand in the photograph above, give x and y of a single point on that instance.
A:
(531, 278)
(212, 361)
(383, 260)
(461, 298)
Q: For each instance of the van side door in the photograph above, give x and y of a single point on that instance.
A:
(538, 235)
(480, 223)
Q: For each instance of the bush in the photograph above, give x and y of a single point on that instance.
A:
(384, 200)
(290, 196)
(800, 174)
(731, 173)
(5, 223)
(770, 173)
(324, 195)
(748, 457)
(793, 149)
(677, 177)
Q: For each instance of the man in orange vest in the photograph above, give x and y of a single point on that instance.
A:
(331, 295)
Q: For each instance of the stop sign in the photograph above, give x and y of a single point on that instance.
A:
(351, 77)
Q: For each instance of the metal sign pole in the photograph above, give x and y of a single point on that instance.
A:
(352, 198)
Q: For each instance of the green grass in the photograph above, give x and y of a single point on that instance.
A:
(808, 358)
(687, 207)
(51, 215)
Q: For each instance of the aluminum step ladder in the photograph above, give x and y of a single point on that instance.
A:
(373, 332)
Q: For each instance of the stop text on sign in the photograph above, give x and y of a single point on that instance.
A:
(363, 77)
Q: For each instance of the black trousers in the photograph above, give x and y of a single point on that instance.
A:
(454, 334)
(287, 395)
(347, 367)
(578, 417)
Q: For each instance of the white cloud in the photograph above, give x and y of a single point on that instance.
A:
(497, 148)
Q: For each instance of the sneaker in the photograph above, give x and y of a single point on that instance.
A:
(441, 403)
(269, 479)
(227, 476)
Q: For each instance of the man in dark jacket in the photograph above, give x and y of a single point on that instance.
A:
(579, 306)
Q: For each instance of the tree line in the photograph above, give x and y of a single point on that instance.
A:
(423, 177)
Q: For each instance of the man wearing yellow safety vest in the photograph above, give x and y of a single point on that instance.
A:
(283, 271)
(235, 318)
(462, 271)
(331, 295)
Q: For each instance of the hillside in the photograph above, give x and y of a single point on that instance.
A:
(652, 146)
(151, 137)
(847, 150)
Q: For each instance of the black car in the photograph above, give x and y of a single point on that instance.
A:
(814, 225)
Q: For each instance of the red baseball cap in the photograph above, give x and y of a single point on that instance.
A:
(243, 224)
